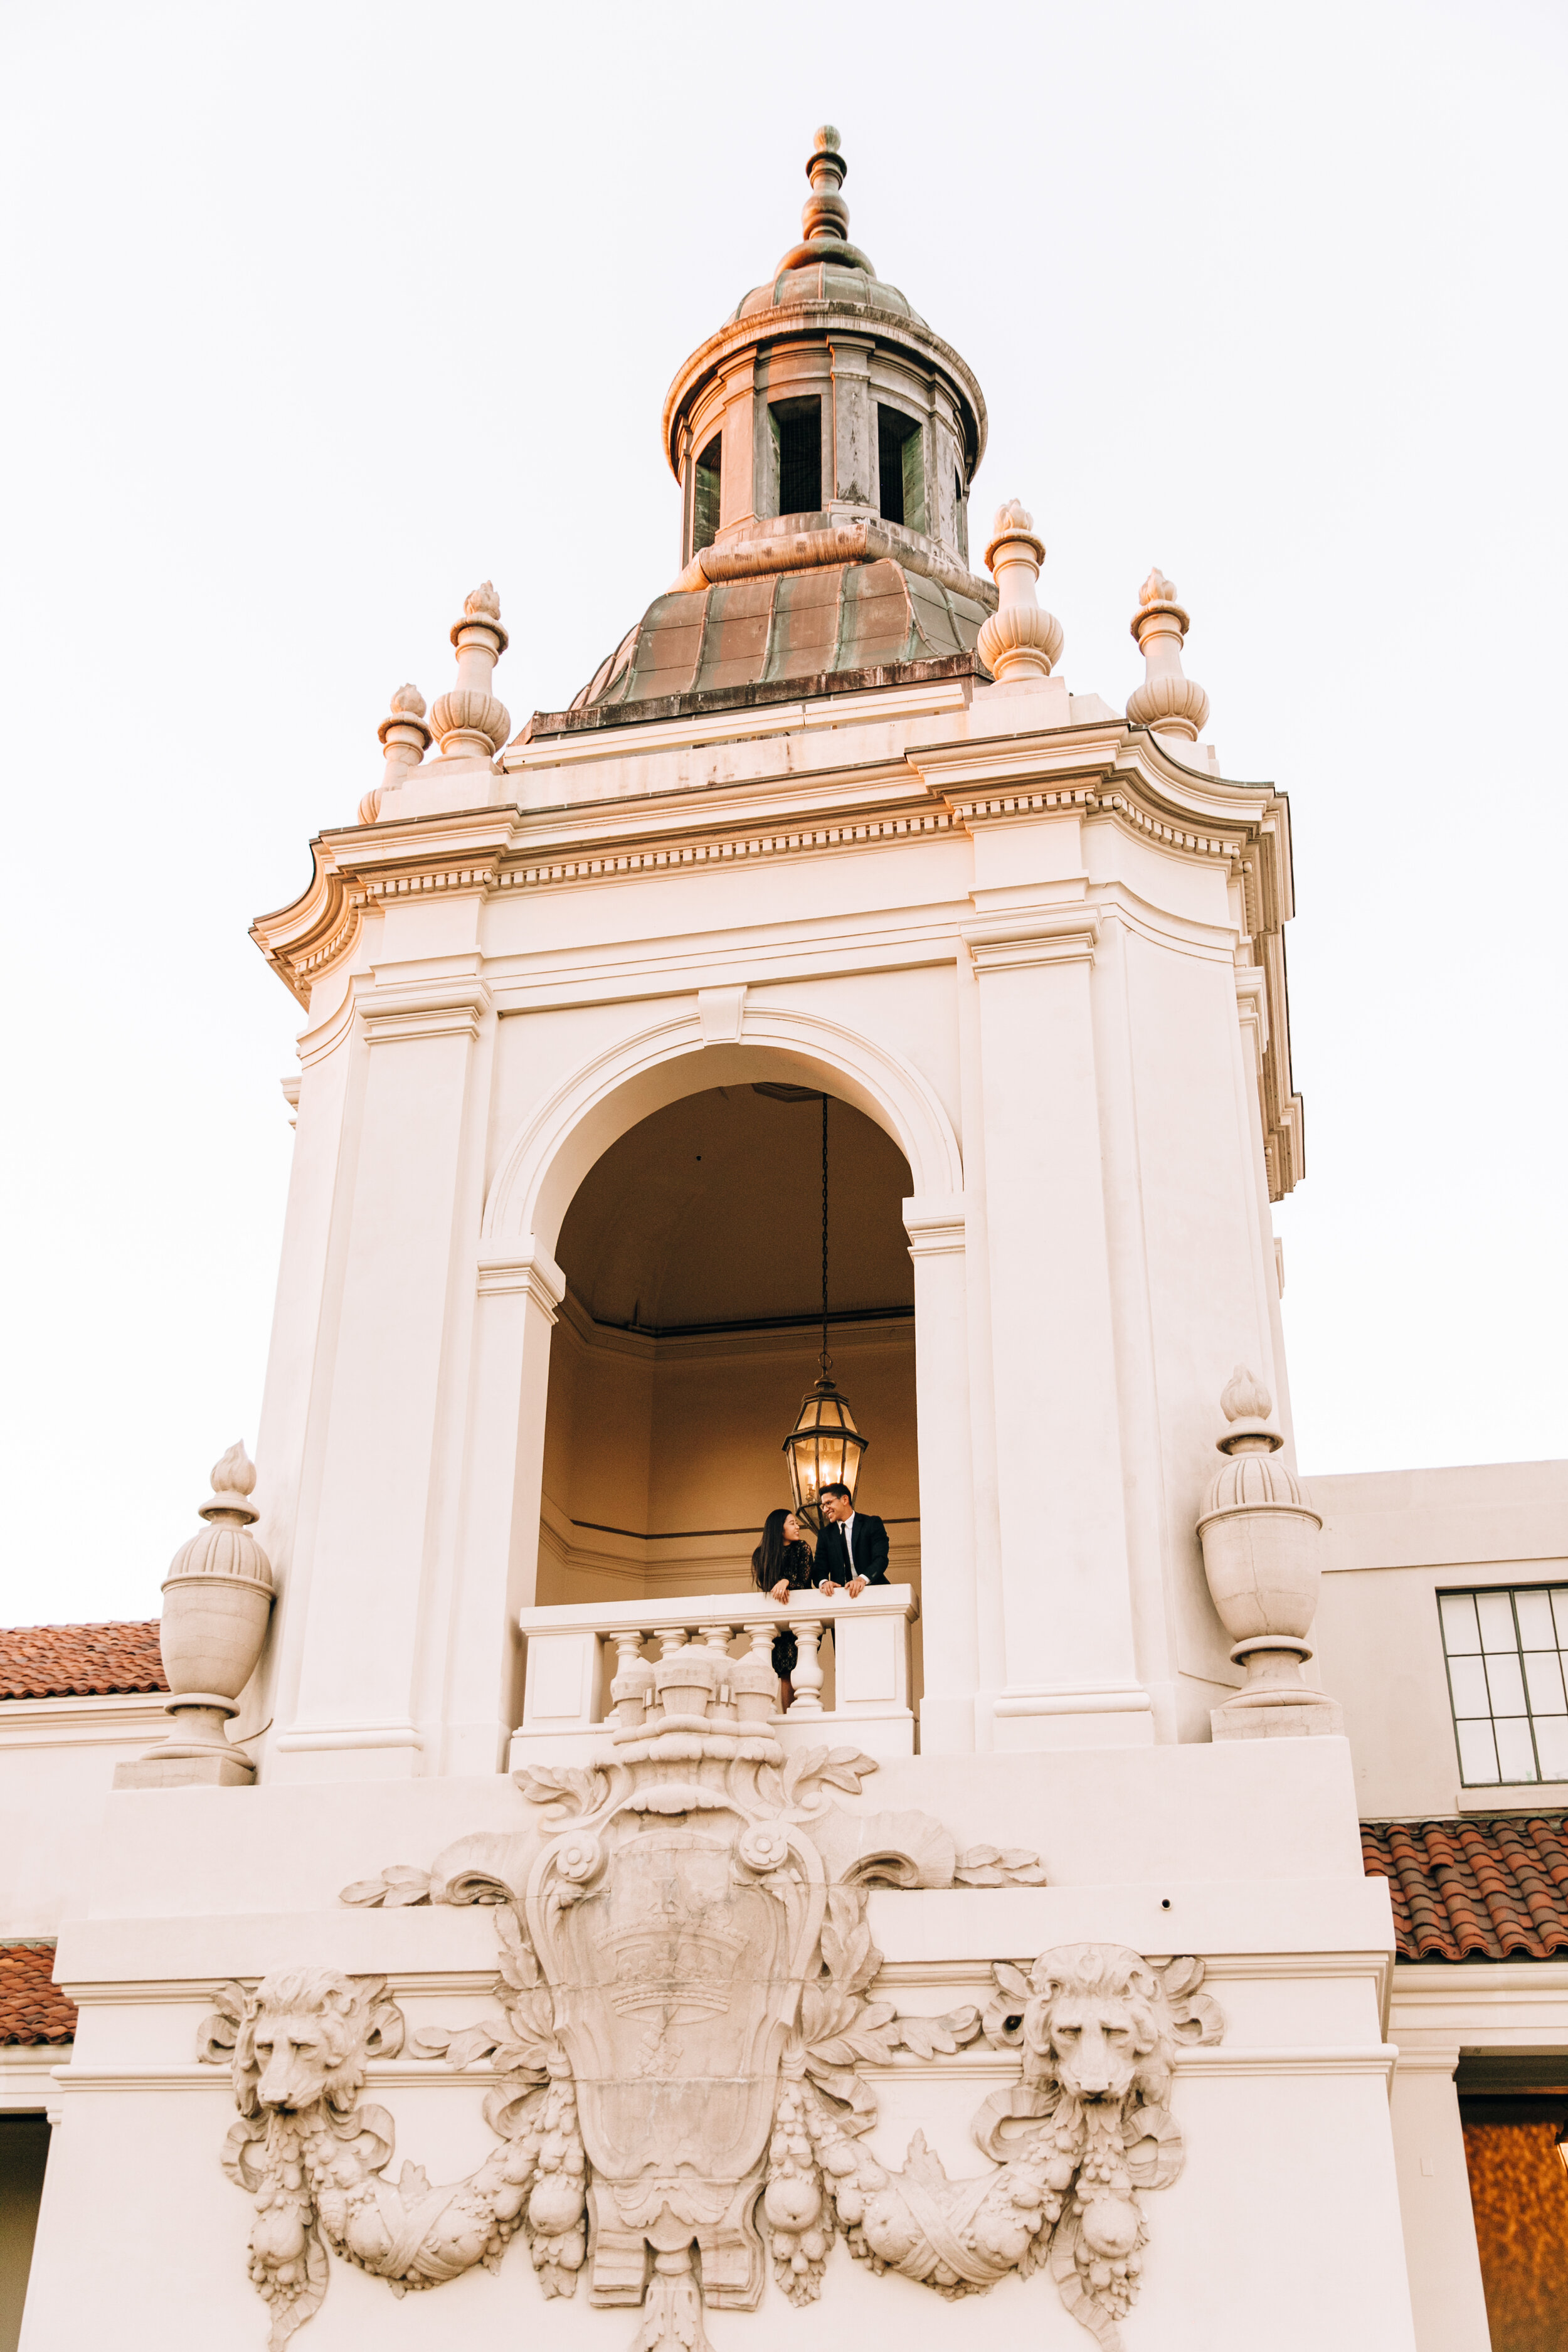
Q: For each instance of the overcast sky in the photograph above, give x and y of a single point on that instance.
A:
(319, 315)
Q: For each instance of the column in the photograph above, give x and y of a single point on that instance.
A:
(1071, 1676)
(849, 425)
(405, 1309)
(1447, 2297)
(936, 1231)
(519, 1288)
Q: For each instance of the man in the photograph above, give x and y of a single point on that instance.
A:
(852, 1548)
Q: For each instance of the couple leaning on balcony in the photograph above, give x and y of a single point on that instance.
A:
(851, 1553)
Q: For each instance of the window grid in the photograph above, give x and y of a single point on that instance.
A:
(1506, 1650)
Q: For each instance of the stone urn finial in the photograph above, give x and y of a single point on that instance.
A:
(404, 738)
(824, 217)
(1260, 1538)
(218, 1598)
(1168, 701)
(1020, 641)
(468, 720)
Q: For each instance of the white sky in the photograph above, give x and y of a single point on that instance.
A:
(318, 315)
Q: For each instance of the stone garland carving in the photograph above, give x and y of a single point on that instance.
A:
(684, 2019)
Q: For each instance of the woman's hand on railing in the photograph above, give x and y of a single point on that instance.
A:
(780, 1592)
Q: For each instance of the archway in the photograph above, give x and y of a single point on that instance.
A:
(689, 1330)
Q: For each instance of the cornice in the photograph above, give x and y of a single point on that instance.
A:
(1100, 769)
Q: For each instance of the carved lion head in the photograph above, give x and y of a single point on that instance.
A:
(1101, 2020)
(305, 2035)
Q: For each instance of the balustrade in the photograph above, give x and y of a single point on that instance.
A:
(588, 1668)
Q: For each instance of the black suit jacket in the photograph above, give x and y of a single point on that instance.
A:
(870, 1550)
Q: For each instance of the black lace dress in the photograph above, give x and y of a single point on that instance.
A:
(800, 1571)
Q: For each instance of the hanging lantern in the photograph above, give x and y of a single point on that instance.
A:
(823, 1448)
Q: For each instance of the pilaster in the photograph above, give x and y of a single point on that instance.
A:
(382, 1504)
(1071, 1669)
(936, 1232)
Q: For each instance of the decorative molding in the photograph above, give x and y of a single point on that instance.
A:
(408, 1011)
(630, 860)
(936, 1226)
(1072, 1699)
(106, 1719)
(720, 1013)
(528, 1268)
(728, 1916)
(1044, 935)
(306, 1739)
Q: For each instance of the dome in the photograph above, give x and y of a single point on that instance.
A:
(828, 626)
(825, 281)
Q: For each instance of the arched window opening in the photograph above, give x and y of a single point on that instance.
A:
(797, 437)
(691, 1330)
(706, 495)
(901, 467)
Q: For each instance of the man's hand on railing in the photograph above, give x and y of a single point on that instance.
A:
(854, 1588)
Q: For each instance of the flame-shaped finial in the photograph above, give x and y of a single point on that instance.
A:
(1168, 701)
(234, 1483)
(408, 702)
(1244, 1395)
(483, 601)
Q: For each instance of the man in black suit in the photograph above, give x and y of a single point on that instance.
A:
(852, 1548)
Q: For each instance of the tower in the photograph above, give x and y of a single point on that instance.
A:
(830, 816)
(827, 846)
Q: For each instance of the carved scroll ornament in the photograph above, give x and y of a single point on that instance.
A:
(685, 2035)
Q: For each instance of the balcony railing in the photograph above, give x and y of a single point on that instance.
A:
(574, 1654)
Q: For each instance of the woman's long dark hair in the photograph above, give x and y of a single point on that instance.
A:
(768, 1563)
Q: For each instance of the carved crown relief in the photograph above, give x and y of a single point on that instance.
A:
(686, 2039)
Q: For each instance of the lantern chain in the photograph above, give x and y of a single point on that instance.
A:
(824, 1360)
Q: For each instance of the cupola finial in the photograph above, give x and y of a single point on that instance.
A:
(1168, 701)
(826, 215)
(1021, 640)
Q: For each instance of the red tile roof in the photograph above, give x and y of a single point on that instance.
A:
(1475, 1890)
(31, 2009)
(79, 1660)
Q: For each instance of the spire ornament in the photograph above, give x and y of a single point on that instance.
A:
(1168, 701)
(405, 739)
(471, 723)
(824, 217)
(1020, 640)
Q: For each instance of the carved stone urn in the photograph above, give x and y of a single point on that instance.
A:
(1260, 1538)
(218, 1597)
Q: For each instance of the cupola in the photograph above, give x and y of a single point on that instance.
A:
(825, 389)
(824, 441)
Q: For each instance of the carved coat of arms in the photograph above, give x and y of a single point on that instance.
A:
(686, 2048)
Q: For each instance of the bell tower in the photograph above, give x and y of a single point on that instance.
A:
(829, 820)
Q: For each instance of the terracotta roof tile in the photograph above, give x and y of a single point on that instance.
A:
(31, 2007)
(1476, 1889)
(79, 1660)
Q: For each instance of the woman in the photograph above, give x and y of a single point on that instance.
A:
(781, 1564)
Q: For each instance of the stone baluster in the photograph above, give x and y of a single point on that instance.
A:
(404, 738)
(633, 1684)
(471, 724)
(1021, 640)
(752, 1679)
(807, 1677)
(717, 1639)
(1168, 700)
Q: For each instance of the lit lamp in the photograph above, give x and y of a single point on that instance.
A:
(1560, 2145)
(823, 1448)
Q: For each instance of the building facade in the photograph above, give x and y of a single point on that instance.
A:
(830, 980)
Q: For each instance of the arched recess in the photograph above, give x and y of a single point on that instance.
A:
(719, 1038)
(556, 1147)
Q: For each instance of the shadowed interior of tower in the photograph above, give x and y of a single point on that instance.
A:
(691, 1330)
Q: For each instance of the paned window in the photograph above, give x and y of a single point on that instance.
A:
(1507, 1648)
